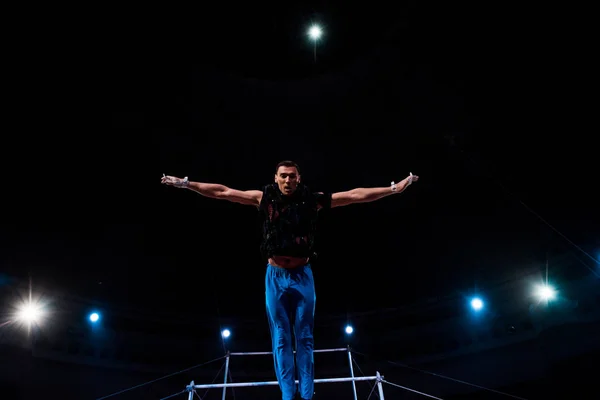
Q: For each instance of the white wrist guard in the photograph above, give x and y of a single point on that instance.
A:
(182, 183)
(408, 182)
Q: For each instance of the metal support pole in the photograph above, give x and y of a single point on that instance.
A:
(191, 391)
(226, 373)
(352, 374)
(379, 385)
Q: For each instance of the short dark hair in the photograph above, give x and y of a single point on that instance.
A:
(287, 163)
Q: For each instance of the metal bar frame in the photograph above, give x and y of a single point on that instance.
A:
(265, 353)
(352, 373)
(273, 383)
(226, 374)
(378, 378)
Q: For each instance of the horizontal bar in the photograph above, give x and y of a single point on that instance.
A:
(264, 353)
(272, 383)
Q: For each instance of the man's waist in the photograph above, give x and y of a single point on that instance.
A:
(287, 261)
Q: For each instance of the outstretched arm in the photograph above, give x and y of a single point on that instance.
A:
(366, 195)
(216, 191)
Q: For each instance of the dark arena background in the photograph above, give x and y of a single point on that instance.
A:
(480, 281)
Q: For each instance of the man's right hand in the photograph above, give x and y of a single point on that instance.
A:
(174, 181)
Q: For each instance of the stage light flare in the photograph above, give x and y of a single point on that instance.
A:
(94, 317)
(315, 32)
(226, 333)
(30, 312)
(476, 303)
(349, 329)
(546, 292)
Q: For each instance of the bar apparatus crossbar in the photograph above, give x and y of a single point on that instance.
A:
(378, 378)
(266, 353)
(272, 383)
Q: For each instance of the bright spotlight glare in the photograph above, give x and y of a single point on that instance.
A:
(315, 32)
(30, 313)
(94, 317)
(477, 304)
(226, 333)
(349, 330)
(546, 292)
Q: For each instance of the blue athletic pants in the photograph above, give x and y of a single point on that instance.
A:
(290, 300)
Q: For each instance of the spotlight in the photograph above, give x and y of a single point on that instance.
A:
(315, 32)
(476, 303)
(32, 312)
(225, 333)
(349, 329)
(545, 292)
(94, 317)
(29, 313)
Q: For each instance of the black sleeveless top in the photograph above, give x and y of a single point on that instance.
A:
(289, 222)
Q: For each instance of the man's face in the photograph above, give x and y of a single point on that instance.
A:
(287, 178)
